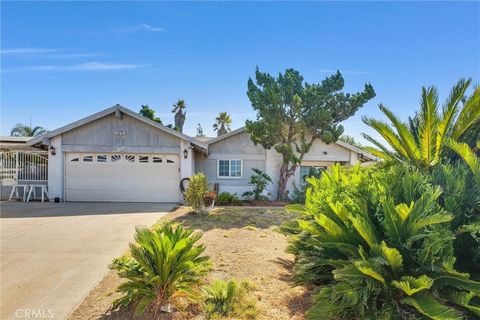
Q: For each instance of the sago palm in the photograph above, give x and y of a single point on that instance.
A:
(222, 123)
(379, 244)
(422, 142)
(22, 130)
(164, 263)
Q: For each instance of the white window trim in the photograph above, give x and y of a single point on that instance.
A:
(229, 171)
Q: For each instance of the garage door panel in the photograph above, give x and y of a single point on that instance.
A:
(121, 180)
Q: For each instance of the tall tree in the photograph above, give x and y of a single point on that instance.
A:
(422, 142)
(180, 114)
(292, 114)
(350, 140)
(149, 113)
(22, 130)
(222, 123)
(200, 133)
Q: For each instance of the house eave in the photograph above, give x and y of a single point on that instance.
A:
(47, 136)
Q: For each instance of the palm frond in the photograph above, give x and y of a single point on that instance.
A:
(428, 124)
(427, 305)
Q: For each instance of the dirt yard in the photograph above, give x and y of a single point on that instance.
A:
(243, 244)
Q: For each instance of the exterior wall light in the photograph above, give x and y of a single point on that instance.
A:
(185, 153)
(52, 150)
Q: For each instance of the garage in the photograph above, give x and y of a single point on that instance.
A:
(120, 177)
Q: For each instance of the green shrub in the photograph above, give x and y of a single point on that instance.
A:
(164, 263)
(299, 192)
(228, 298)
(381, 246)
(196, 192)
(259, 180)
(228, 199)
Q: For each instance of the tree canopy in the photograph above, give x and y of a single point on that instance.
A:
(149, 113)
(292, 114)
(22, 130)
(180, 114)
(222, 123)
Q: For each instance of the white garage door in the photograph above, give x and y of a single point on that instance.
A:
(122, 177)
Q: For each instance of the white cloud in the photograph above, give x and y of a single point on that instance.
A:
(88, 66)
(77, 55)
(27, 50)
(143, 27)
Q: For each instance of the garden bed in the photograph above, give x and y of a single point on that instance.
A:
(243, 244)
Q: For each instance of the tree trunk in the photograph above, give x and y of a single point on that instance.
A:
(282, 182)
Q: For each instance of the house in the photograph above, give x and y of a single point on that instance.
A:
(118, 155)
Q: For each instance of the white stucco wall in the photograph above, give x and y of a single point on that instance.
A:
(321, 154)
(55, 169)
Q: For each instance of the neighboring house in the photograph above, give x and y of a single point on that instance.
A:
(118, 155)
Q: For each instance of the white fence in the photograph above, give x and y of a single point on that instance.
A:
(16, 166)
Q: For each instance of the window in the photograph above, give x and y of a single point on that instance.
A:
(115, 157)
(309, 171)
(143, 159)
(102, 158)
(170, 161)
(75, 160)
(130, 158)
(157, 159)
(230, 168)
(87, 158)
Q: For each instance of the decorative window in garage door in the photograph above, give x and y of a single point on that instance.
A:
(102, 158)
(87, 158)
(130, 158)
(115, 157)
(156, 159)
(143, 159)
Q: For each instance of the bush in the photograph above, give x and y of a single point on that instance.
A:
(228, 298)
(299, 192)
(164, 263)
(381, 246)
(228, 199)
(196, 192)
(259, 180)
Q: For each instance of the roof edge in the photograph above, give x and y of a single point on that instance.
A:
(106, 112)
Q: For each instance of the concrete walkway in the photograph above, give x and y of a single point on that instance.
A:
(53, 254)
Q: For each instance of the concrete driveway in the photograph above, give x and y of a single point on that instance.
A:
(53, 254)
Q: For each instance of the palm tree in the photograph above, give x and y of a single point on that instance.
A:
(22, 130)
(222, 124)
(421, 142)
(180, 114)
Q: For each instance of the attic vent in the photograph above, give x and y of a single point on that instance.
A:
(118, 114)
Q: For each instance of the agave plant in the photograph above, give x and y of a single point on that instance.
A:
(380, 244)
(164, 263)
(422, 141)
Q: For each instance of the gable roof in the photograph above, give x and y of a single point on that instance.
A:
(339, 142)
(106, 112)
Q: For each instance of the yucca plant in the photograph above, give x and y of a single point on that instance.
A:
(380, 245)
(228, 298)
(164, 263)
(422, 142)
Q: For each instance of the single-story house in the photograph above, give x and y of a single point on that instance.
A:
(119, 155)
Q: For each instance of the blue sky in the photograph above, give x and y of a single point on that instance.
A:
(62, 61)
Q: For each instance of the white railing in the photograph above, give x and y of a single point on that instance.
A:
(23, 166)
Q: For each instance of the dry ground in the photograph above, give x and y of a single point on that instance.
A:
(243, 244)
